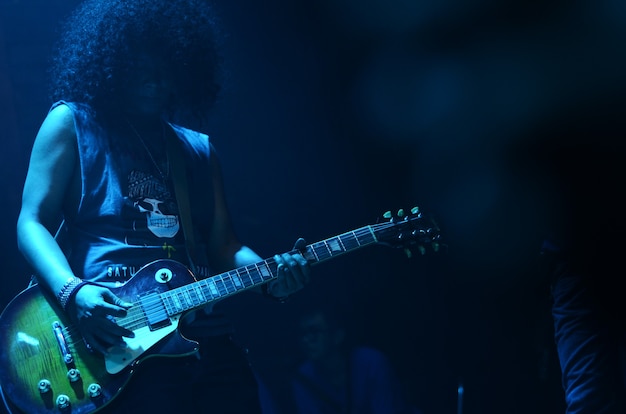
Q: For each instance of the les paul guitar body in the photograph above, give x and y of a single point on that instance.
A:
(46, 367)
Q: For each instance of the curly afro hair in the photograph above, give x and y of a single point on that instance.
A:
(102, 37)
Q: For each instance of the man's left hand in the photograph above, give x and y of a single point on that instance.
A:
(293, 272)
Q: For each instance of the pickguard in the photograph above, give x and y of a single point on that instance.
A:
(119, 358)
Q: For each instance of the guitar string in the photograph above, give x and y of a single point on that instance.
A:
(149, 308)
(139, 315)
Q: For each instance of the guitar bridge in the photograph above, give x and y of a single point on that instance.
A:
(65, 350)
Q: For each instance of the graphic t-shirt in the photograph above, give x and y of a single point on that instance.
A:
(128, 215)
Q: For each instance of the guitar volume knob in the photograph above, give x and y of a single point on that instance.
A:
(44, 386)
(73, 375)
(63, 402)
(94, 390)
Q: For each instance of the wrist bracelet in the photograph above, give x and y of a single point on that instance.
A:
(69, 289)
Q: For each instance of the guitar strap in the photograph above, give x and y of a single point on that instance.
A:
(181, 191)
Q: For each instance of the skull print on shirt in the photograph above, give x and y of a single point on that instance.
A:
(152, 198)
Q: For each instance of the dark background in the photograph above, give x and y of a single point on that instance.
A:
(336, 111)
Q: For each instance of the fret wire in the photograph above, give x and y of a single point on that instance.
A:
(231, 281)
(215, 293)
(312, 250)
(237, 282)
(248, 278)
(177, 295)
(318, 254)
(228, 282)
(253, 272)
(351, 243)
(324, 250)
(265, 271)
(167, 302)
(188, 299)
(219, 283)
(328, 248)
(191, 299)
(174, 302)
(258, 274)
(339, 244)
(342, 245)
(321, 250)
(183, 299)
(206, 290)
(200, 293)
(193, 295)
(371, 230)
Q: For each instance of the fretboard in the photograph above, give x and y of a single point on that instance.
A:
(197, 294)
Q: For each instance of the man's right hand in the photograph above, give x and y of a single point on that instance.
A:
(95, 308)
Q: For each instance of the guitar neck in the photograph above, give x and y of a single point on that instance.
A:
(198, 294)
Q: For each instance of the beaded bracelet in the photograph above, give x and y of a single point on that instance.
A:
(69, 289)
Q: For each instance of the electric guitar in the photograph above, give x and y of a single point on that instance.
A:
(46, 367)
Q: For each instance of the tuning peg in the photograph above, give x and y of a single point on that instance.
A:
(422, 249)
(408, 252)
(387, 215)
(415, 210)
(401, 213)
(435, 246)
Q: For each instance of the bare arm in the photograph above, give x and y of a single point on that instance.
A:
(225, 250)
(51, 174)
(50, 171)
(227, 253)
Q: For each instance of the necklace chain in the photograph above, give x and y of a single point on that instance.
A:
(156, 165)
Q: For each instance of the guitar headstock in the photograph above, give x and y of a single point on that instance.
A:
(410, 231)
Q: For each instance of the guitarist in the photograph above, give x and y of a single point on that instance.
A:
(132, 83)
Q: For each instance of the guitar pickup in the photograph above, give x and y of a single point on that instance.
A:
(154, 311)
